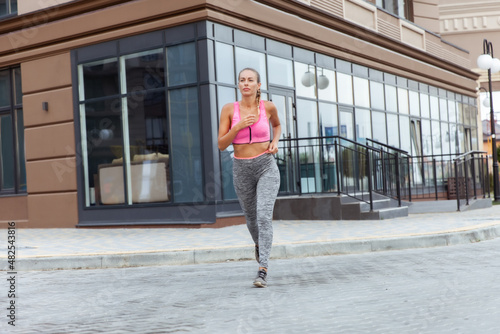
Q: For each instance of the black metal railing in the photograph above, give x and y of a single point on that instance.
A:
(333, 164)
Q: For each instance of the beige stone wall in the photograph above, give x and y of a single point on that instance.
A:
(28, 6)
(50, 142)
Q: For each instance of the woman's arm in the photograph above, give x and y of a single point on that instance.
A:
(226, 134)
(275, 123)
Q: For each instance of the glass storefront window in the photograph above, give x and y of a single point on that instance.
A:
(424, 105)
(253, 59)
(377, 95)
(361, 92)
(4, 89)
(404, 130)
(145, 71)
(280, 71)
(443, 109)
(12, 151)
(436, 138)
(134, 149)
(307, 126)
(344, 88)
(305, 80)
(224, 63)
(227, 95)
(434, 105)
(414, 103)
(391, 98)
(363, 124)
(327, 90)
(454, 148)
(475, 143)
(328, 120)
(100, 79)
(379, 129)
(403, 100)
(181, 60)
(445, 138)
(426, 137)
(346, 125)
(186, 145)
(393, 134)
(452, 112)
(7, 153)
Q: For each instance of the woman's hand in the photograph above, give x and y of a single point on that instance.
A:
(246, 121)
(273, 148)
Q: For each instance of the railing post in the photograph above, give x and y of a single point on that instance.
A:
(488, 173)
(409, 178)
(466, 182)
(474, 175)
(369, 173)
(398, 180)
(384, 183)
(481, 176)
(435, 178)
(457, 186)
(338, 162)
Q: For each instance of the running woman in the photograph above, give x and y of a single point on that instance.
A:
(256, 177)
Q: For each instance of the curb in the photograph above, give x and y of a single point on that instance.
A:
(280, 251)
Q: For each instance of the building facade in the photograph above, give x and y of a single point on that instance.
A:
(110, 108)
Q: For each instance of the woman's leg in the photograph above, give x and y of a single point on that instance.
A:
(245, 186)
(267, 190)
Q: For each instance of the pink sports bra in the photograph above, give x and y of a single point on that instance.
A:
(257, 132)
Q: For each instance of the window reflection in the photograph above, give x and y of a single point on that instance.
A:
(326, 85)
(377, 95)
(403, 100)
(391, 98)
(253, 59)
(393, 134)
(363, 125)
(305, 80)
(224, 63)
(280, 71)
(126, 135)
(344, 87)
(379, 129)
(181, 61)
(434, 105)
(361, 92)
(404, 130)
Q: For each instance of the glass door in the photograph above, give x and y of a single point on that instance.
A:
(287, 156)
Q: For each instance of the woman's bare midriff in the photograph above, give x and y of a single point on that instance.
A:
(250, 150)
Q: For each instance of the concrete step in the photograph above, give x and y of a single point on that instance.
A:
(387, 213)
(377, 204)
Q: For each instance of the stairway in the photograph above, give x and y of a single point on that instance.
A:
(383, 208)
(333, 207)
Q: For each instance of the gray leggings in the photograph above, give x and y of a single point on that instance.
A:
(257, 182)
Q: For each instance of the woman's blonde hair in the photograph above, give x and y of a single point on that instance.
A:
(258, 80)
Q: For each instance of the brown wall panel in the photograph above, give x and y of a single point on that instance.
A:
(13, 209)
(50, 141)
(52, 210)
(51, 175)
(60, 107)
(46, 73)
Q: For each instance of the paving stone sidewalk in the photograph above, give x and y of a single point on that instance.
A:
(48, 249)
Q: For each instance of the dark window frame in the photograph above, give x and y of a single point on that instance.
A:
(12, 111)
(9, 12)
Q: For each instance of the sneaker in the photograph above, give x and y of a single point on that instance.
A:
(260, 280)
(257, 257)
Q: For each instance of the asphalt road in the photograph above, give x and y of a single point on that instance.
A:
(452, 289)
